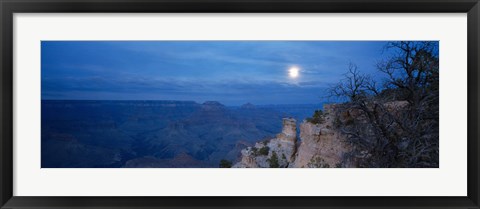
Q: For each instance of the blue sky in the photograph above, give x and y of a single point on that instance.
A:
(231, 72)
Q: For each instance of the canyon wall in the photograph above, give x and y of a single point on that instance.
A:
(320, 145)
(278, 151)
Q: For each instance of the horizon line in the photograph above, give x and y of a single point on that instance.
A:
(153, 100)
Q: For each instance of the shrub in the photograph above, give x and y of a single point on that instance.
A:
(317, 162)
(264, 150)
(273, 160)
(254, 151)
(225, 163)
(317, 117)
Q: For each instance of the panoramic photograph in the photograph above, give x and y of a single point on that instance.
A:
(240, 104)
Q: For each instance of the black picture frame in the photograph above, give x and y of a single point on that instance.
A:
(9, 7)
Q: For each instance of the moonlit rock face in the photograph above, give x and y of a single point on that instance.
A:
(289, 127)
(293, 72)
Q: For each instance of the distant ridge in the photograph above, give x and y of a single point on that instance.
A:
(248, 106)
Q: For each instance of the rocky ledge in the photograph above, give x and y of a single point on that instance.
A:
(321, 146)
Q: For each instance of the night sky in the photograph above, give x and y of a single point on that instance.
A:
(231, 72)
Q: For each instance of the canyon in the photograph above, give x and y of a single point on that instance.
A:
(318, 145)
(158, 134)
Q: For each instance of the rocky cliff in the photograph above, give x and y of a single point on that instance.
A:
(276, 152)
(322, 145)
(319, 145)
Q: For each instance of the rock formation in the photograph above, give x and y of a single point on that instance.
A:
(248, 106)
(276, 152)
(212, 105)
(321, 146)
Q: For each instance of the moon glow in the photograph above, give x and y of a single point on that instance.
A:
(293, 72)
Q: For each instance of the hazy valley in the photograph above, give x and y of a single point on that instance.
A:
(88, 134)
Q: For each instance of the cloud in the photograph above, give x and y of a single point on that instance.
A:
(195, 70)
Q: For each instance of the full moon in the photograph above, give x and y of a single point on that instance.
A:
(293, 72)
